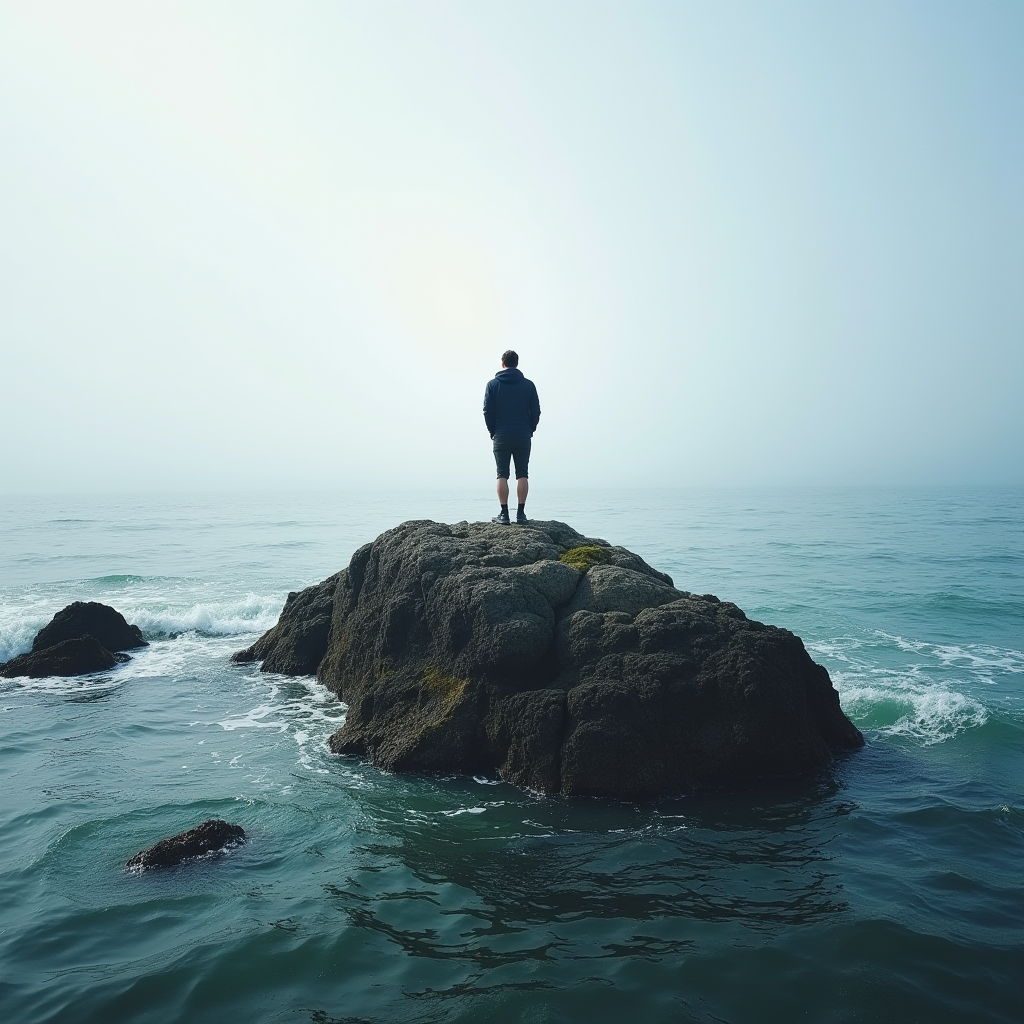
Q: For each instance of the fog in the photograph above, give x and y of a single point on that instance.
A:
(284, 244)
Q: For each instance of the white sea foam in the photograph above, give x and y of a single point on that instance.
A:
(918, 690)
(263, 716)
(309, 715)
(837, 648)
(972, 656)
(908, 705)
(98, 681)
(21, 619)
(253, 613)
(182, 654)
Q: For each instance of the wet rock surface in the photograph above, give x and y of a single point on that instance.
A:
(296, 645)
(84, 637)
(567, 664)
(90, 618)
(76, 657)
(211, 836)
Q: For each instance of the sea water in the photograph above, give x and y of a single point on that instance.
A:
(887, 887)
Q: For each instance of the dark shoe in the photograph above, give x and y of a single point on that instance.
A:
(501, 519)
(521, 517)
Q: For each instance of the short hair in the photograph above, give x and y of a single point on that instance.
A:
(510, 359)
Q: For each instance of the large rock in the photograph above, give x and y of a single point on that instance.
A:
(75, 657)
(90, 618)
(83, 637)
(211, 836)
(569, 665)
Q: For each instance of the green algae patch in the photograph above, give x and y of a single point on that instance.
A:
(585, 557)
(448, 689)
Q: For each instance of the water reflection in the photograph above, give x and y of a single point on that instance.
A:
(517, 881)
(91, 695)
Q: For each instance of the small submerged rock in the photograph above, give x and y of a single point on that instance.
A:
(84, 637)
(211, 836)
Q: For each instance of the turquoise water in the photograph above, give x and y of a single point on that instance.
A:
(888, 888)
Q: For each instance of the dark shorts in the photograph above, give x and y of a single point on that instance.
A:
(512, 446)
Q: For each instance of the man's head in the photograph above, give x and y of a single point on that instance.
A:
(509, 360)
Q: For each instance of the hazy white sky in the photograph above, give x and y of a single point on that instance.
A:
(285, 243)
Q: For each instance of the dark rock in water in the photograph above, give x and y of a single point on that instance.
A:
(76, 657)
(296, 645)
(567, 664)
(211, 836)
(83, 637)
(90, 618)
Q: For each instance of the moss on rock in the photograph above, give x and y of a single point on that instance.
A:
(585, 557)
(449, 689)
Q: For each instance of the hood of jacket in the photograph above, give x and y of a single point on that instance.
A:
(513, 375)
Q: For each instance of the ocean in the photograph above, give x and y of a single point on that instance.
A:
(887, 887)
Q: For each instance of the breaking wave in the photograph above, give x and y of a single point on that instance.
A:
(254, 613)
(157, 617)
(918, 690)
(911, 708)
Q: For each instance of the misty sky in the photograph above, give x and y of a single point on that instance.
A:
(284, 244)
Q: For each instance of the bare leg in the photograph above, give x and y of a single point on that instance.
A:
(522, 489)
(502, 491)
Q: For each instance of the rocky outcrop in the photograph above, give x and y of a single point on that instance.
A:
(76, 657)
(296, 645)
(211, 836)
(83, 637)
(567, 664)
(90, 618)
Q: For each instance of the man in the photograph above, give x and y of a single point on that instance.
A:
(511, 412)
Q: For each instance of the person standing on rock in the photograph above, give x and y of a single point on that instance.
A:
(511, 412)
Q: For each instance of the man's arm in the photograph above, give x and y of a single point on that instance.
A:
(489, 409)
(534, 410)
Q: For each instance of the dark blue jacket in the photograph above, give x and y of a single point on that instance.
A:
(511, 405)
